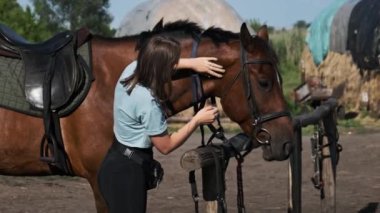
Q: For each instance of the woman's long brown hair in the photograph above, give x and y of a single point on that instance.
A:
(155, 66)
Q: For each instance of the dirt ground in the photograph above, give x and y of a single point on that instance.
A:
(265, 184)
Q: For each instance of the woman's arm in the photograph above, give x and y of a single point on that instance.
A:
(203, 65)
(167, 143)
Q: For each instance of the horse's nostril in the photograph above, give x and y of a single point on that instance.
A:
(288, 148)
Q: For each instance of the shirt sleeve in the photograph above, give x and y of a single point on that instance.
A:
(153, 119)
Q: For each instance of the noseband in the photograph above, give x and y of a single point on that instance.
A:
(257, 118)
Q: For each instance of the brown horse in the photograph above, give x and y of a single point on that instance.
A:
(87, 132)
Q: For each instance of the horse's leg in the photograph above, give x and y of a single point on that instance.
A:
(100, 204)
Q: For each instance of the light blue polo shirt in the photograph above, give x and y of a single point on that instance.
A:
(138, 115)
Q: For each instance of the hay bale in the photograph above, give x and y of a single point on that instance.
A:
(362, 91)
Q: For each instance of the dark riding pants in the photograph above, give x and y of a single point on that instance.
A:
(122, 183)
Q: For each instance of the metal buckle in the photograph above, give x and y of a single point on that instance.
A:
(267, 139)
(255, 122)
(196, 198)
(128, 152)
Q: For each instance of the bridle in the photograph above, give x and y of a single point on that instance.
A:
(257, 118)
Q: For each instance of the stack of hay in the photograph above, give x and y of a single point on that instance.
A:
(347, 52)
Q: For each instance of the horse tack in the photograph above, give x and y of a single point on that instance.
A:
(217, 189)
(68, 54)
(56, 80)
(257, 118)
(88, 130)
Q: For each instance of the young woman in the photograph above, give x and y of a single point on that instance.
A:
(140, 123)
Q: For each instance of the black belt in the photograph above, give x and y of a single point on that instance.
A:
(132, 153)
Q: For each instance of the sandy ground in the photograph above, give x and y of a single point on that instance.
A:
(265, 184)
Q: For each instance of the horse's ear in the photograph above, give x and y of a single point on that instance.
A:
(263, 33)
(159, 26)
(245, 36)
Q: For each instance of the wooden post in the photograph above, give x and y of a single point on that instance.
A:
(295, 174)
(212, 207)
(198, 158)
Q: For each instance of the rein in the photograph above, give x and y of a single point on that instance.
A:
(198, 102)
(258, 119)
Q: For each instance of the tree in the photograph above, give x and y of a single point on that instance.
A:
(22, 21)
(59, 15)
(301, 24)
(10, 13)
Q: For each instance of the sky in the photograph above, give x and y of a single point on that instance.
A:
(277, 13)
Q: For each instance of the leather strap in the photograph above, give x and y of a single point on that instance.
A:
(131, 153)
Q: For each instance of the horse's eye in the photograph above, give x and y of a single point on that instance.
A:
(265, 84)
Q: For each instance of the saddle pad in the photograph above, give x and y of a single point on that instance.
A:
(12, 76)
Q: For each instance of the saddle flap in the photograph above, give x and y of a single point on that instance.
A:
(59, 72)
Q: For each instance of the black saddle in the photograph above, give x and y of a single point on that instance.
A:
(14, 42)
(54, 75)
(52, 63)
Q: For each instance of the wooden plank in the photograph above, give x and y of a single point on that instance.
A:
(201, 157)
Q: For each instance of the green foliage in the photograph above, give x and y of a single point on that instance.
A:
(59, 15)
(289, 44)
(256, 24)
(20, 20)
(10, 10)
(52, 16)
(301, 24)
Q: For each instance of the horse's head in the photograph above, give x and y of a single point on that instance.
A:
(250, 91)
(255, 79)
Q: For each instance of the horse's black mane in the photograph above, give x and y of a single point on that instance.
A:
(181, 29)
(185, 28)
(219, 35)
(182, 25)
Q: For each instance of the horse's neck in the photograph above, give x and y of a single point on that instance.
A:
(112, 55)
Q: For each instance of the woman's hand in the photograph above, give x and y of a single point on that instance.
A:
(205, 65)
(166, 143)
(202, 65)
(206, 115)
